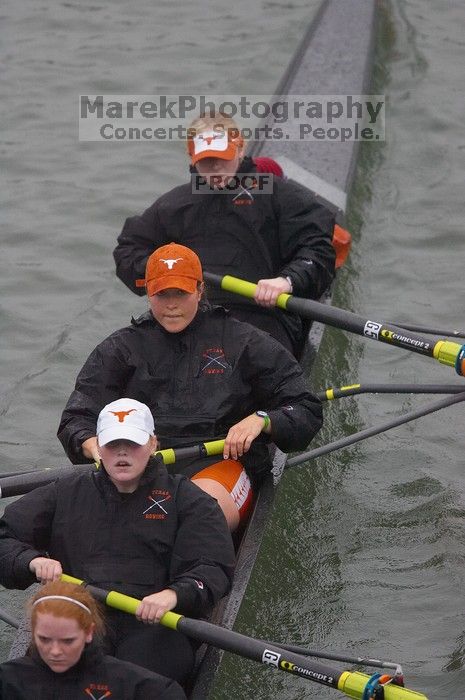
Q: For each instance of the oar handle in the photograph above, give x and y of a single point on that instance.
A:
(121, 601)
(22, 483)
(241, 287)
(352, 684)
(206, 449)
(445, 351)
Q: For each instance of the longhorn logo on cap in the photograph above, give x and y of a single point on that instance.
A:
(209, 139)
(121, 415)
(171, 263)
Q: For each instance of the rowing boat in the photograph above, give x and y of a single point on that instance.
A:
(334, 58)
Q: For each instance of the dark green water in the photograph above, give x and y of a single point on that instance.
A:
(366, 549)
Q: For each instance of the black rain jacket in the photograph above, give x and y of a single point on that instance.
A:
(253, 236)
(168, 533)
(197, 383)
(94, 675)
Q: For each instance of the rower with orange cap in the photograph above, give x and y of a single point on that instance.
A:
(205, 376)
(278, 235)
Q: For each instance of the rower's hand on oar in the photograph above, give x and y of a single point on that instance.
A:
(269, 290)
(153, 607)
(241, 435)
(89, 449)
(46, 570)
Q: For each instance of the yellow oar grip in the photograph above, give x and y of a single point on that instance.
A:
(215, 447)
(119, 601)
(126, 603)
(353, 684)
(282, 300)
(170, 619)
(446, 352)
(237, 286)
(168, 456)
(71, 579)
(247, 289)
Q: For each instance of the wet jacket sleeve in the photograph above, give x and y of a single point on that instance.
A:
(101, 380)
(305, 232)
(140, 236)
(203, 559)
(280, 389)
(25, 530)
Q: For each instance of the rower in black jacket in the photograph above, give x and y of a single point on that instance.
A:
(275, 233)
(204, 376)
(65, 661)
(131, 527)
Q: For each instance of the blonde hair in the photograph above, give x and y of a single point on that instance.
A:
(59, 598)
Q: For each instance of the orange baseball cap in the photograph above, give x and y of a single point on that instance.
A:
(172, 266)
(214, 143)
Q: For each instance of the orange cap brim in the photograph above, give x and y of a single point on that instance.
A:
(228, 154)
(186, 284)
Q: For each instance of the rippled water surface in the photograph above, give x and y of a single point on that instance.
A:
(366, 549)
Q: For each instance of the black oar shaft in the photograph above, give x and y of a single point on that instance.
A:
(377, 663)
(370, 432)
(9, 619)
(374, 330)
(354, 684)
(23, 482)
(446, 352)
(429, 331)
(353, 389)
(256, 650)
(228, 640)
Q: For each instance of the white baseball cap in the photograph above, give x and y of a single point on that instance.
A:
(125, 419)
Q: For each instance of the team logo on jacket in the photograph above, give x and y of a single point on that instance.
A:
(244, 196)
(95, 690)
(158, 500)
(213, 361)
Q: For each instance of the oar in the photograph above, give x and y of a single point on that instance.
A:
(429, 331)
(23, 483)
(27, 481)
(352, 389)
(205, 449)
(354, 684)
(366, 661)
(14, 486)
(445, 351)
(6, 617)
(369, 432)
